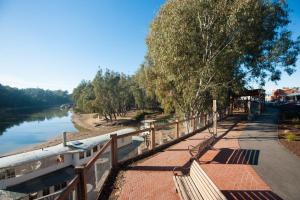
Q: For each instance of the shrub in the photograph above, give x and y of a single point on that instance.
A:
(140, 116)
(291, 136)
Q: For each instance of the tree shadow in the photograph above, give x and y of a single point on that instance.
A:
(251, 194)
(237, 156)
(184, 169)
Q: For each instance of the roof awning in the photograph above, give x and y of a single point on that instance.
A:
(45, 181)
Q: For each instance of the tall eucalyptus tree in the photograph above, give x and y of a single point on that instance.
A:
(201, 49)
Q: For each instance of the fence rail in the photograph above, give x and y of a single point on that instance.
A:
(157, 135)
(71, 187)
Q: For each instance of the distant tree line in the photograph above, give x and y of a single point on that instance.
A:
(12, 97)
(112, 94)
(199, 51)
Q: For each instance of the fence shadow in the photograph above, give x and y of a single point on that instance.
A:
(251, 194)
(237, 156)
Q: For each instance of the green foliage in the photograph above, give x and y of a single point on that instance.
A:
(200, 50)
(140, 116)
(144, 97)
(108, 94)
(112, 94)
(291, 136)
(13, 97)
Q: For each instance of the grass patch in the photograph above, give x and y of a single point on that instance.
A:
(291, 136)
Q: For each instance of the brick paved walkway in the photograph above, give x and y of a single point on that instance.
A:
(228, 166)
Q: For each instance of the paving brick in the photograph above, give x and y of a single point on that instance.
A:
(151, 178)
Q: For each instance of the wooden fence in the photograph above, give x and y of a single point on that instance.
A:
(77, 188)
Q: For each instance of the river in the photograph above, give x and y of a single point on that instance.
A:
(20, 128)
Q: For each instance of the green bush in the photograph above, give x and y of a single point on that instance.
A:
(140, 116)
(291, 136)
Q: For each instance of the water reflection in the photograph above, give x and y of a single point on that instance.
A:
(22, 127)
(15, 117)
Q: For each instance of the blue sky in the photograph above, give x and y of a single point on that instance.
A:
(55, 44)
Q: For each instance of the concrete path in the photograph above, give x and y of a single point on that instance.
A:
(276, 165)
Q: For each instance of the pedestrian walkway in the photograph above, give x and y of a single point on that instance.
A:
(230, 167)
(276, 165)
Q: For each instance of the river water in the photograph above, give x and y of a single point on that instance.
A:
(21, 128)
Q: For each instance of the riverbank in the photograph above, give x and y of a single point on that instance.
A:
(89, 125)
(84, 123)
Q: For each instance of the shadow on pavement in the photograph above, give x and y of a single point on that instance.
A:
(251, 194)
(237, 156)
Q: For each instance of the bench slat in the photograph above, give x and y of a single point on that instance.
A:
(197, 186)
(198, 175)
(212, 187)
(180, 188)
(186, 181)
(216, 189)
(195, 192)
(202, 182)
(201, 185)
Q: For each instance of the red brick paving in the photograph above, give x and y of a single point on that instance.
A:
(151, 178)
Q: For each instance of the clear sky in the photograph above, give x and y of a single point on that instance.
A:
(55, 44)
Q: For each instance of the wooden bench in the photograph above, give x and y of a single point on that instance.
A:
(199, 149)
(197, 185)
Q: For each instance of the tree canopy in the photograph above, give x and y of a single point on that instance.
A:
(112, 94)
(13, 97)
(198, 50)
(204, 49)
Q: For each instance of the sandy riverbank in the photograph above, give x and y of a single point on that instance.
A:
(89, 125)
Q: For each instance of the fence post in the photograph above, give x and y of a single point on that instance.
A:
(194, 123)
(82, 193)
(114, 150)
(215, 117)
(230, 108)
(249, 106)
(202, 121)
(177, 128)
(152, 136)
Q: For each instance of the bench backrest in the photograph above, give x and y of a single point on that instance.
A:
(208, 189)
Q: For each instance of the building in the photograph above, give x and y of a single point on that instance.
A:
(280, 95)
